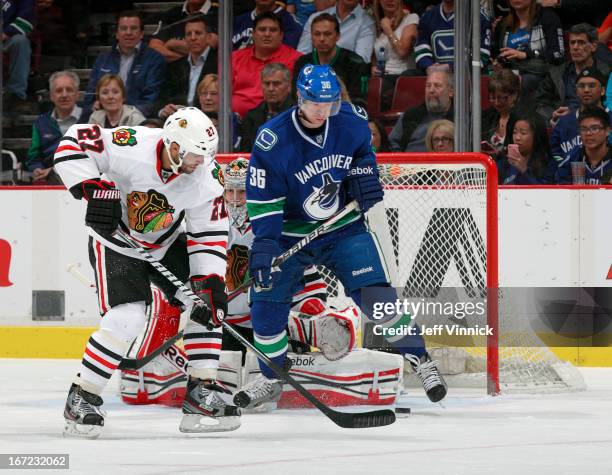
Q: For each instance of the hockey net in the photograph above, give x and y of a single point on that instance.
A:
(437, 230)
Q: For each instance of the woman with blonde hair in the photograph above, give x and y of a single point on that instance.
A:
(208, 98)
(440, 136)
(113, 112)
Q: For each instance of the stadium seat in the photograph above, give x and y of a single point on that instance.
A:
(374, 90)
(409, 92)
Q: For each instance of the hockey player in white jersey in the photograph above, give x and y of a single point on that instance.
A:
(306, 164)
(150, 183)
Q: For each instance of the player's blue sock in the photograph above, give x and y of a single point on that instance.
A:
(411, 344)
(269, 321)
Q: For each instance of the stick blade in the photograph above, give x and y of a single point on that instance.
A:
(363, 420)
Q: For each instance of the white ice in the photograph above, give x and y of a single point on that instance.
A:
(518, 435)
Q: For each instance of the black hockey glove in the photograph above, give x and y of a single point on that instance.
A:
(263, 252)
(103, 206)
(363, 185)
(211, 289)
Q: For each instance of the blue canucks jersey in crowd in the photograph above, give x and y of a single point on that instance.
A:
(565, 136)
(295, 179)
(601, 174)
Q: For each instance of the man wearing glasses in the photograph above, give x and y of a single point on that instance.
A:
(591, 90)
(594, 153)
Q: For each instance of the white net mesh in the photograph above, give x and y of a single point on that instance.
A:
(432, 230)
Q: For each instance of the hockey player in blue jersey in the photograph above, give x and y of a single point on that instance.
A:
(307, 164)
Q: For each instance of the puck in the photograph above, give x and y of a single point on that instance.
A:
(402, 410)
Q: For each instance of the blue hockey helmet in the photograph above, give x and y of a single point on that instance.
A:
(318, 83)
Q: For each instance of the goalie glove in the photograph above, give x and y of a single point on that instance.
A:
(103, 206)
(363, 185)
(211, 289)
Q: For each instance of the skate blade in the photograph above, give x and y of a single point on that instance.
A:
(82, 431)
(198, 423)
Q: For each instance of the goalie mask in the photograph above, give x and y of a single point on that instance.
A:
(234, 183)
(194, 133)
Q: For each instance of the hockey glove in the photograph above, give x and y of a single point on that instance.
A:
(211, 289)
(364, 186)
(103, 206)
(262, 254)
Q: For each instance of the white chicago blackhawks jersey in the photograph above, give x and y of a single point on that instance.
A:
(156, 204)
(312, 295)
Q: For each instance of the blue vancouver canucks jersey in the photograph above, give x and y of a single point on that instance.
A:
(295, 181)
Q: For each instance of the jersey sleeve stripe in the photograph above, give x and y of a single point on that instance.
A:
(259, 210)
(275, 200)
(65, 158)
(69, 139)
(61, 148)
(209, 243)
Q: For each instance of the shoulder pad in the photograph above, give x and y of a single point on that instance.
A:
(266, 140)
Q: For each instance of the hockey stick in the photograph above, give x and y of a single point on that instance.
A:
(134, 364)
(376, 418)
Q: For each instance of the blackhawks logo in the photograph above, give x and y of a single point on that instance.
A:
(217, 173)
(148, 211)
(237, 268)
(124, 137)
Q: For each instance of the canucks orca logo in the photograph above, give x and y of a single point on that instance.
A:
(323, 202)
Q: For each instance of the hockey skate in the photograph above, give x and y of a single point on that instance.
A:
(83, 415)
(427, 371)
(208, 407)
(259, 391)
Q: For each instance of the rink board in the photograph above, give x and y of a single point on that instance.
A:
(548, 238)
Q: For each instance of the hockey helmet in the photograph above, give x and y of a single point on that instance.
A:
(194, 133)
(318, 83)
(234, 182)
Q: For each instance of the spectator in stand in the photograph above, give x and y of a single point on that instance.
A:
(440, 136)
(504, 89)
(409, 132)
(595, 151)
(349, 66)
(605, 32)
(140, 68)
(528, 40)
(153, 123)
(302, 9)
(51, 126)
(556, 94)
(243, 25)
(572, 12)
(170, 42)
(436, 36)
(17, 24)
(527, 159)
(397, 33)
(113, 112)
(565, 136)
(380, 139)
(185, 75)
(357, 29)
(247, 63)
(276, 86)
(208, 98)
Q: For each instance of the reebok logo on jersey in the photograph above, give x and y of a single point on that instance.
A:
(106, 195)
(308, 361)
(363, 270)
(369, 170)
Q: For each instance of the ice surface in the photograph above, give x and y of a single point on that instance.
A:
(551, 434)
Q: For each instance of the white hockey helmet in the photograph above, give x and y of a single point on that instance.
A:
(194, 133)
(234, 182)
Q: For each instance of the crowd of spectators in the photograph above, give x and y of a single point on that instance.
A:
(547, 65)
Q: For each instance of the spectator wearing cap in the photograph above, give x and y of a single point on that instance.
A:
(565, 137)
(243, 25)
(169, 40)
(558, 89)
(247, 63)
(595, 151)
